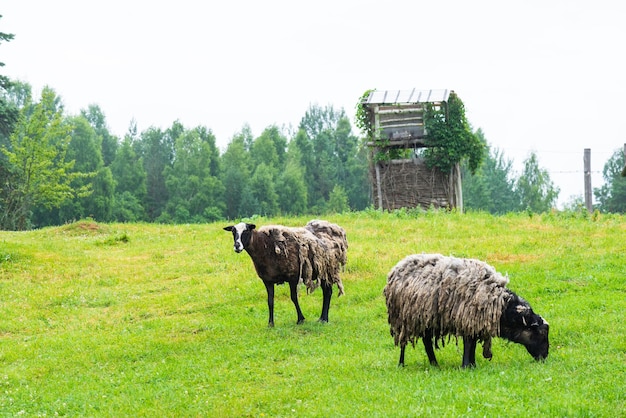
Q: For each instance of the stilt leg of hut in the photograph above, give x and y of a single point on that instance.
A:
(379, 187)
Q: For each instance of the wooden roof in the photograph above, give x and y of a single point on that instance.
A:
(407, 96)
(397, 116)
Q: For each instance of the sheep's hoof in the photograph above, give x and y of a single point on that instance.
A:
(325, 321)
(270, 325)
(300, 321)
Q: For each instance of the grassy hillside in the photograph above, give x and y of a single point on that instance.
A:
(154, 320)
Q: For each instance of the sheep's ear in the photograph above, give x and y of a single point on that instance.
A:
(228, 228)
(250, 226)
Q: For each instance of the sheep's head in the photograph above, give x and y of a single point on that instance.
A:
(242, 232)
(521, 325)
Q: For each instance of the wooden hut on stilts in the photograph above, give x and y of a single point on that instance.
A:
(399, 175)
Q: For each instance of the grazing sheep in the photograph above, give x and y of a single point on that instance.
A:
(431, 296)
(314, 254)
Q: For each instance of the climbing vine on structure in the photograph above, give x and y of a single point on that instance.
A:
(449, 138)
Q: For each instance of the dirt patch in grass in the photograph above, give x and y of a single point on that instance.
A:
(84, 227)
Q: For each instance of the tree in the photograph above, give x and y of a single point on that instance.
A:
(352, 173)
(85, 149)
(492, 187)
(96, 180)
(236, 176)
(534, 187)
(108, 142)
(128, 171)
(130, 182)
(317, 140)
(8, 111)
(262, 185)
(611, 196)
(291, 188)
(338, 201)
(38, 172)
(269, 148)
(195, 193)
(331, 156)
(157, 152)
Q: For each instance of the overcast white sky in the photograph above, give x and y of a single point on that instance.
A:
(539, 75)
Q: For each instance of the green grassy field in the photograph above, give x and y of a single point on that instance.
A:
(155, 320)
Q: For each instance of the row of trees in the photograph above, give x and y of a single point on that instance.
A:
(494, 188)
(57, 168)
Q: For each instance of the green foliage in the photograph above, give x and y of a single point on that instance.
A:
(450, 138)
(190, 183)
(291, 187)
(236, 176)
(8, 110)
(138, 319)
(330, 156)
(38, 172)
(338, 201)
(362, 117)
(262, 186)
(534, 187)
(156, 149)
(611, 196)
(492, 186)
(97, 120)
(127, 208)
(269, 148)
(130, 183)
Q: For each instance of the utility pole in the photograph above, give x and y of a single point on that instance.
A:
(624, 169)
(587, 162)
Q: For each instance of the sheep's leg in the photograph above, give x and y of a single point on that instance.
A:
(428, 345)
(293, 287)
(270, 302)
(402, 348)
(327, 290)
(469, 352)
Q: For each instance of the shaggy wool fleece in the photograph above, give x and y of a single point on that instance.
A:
(317, 252)
(446, 296)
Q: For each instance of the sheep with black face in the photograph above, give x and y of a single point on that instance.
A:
(314, 255)
(430, 296)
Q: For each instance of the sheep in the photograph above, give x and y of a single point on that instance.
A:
(314, 254)
(430, 296)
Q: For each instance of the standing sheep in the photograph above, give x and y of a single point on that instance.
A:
(431, 296)
(314, 254)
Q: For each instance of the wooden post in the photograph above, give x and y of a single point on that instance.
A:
(624, 169)
(587, 162)
(379, 188)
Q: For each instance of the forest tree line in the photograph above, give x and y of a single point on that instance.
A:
(56, 168)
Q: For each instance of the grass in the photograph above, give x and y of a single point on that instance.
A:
(154, 320)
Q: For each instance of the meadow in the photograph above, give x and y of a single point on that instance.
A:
(162, 320)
